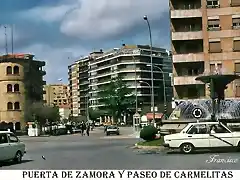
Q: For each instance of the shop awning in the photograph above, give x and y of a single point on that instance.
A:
(157, 116)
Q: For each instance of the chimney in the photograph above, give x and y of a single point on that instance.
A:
(101, 50)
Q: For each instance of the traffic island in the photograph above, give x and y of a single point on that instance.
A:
(156, 144)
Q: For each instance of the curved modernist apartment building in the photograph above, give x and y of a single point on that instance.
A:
(132, 64)
(20, 81)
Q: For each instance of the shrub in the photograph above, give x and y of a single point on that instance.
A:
(148, 133)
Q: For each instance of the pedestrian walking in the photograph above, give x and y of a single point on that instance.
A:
(88, 130)
(82, 129)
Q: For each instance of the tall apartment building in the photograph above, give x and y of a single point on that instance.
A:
(205, 38)
(21, 82)
(56, 95)
(79, 84)
(131, 63)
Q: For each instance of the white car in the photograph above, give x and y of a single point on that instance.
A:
(204, 135)
(112, 130)
(10, 147)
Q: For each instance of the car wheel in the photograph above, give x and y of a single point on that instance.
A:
(107, 134)
(18, 157)
(187, 148)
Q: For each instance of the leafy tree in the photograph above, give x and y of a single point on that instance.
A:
(117, 97)
(41, 113)
(93, 114)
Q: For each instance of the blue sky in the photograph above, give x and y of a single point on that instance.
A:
(60, 31)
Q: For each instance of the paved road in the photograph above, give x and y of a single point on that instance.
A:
(77, 152)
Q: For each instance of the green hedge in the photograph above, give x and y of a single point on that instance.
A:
(148, 133)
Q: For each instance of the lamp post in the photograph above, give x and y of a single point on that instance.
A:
(151, 59)
(164, 88)
(86, 110)
(147, 84)
(136, 98)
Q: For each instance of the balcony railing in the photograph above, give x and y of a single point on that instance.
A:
(128, 52)
(191, 57)
(185, 80)
(186, 13)
(187, 35)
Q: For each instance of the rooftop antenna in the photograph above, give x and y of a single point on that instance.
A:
(6, 39)
(12, 37)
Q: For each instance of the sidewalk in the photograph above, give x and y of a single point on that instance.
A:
(44, 137)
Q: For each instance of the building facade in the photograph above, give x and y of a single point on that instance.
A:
(56, 95)
(79, 84)
(132, 64)
(205, 36)
(21, 82)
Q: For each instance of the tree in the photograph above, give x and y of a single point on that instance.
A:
(94, 114)
(117, 97)
(41, 113)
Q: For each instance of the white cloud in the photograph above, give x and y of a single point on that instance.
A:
(106, 18)
(47, 13)
(98, 19)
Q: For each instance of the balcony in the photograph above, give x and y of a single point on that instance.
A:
(187, 35)
(223, 34)
(186, 13)
(185, 80)
(192, 57)
(187, 46)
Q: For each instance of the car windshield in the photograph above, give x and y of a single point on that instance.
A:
(112, 127)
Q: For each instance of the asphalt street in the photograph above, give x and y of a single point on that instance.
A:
(97, 152)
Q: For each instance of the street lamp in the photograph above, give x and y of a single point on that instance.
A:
(151, 58)
(164, 88)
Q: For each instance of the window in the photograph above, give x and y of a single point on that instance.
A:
(236, 45)
(198, 129)
(16, 106)
(9, 70)
(15, 70)
(215, 68)
(236, 23)
(237, 68)
(213, 3)
(3, 138)
(219, 129)
(215, 47)
(235, 3)
(12, 138)
(214, 24)
(9, 88)
(16, 88)
(237, 93)
(9, 106)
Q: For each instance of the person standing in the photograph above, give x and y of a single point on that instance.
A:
(82, 129)
(88, 130)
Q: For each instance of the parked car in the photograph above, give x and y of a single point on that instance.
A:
(203, 135)
(112, 130)
(10, 147)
